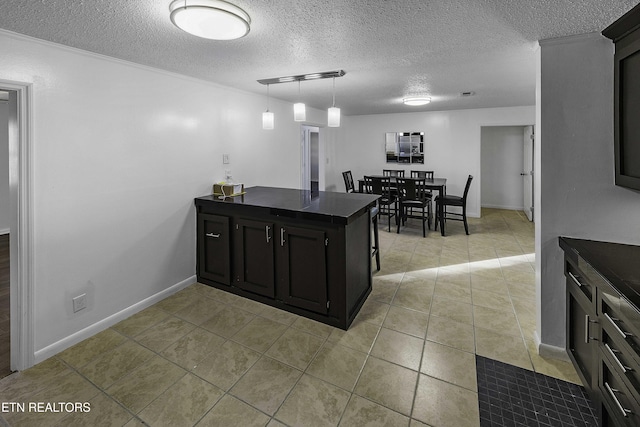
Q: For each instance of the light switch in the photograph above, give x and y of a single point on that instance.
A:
(225, 159)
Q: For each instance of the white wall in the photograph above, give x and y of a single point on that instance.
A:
(501, 157)
(452, 144)
(119, 153)
(578, 197)
(4, 168)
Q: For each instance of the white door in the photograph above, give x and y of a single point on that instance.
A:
(527, 171)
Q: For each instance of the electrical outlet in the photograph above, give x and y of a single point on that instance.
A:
(79, 302)
(227, 174)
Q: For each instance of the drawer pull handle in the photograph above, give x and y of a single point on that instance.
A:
(574, 278)
(613, 352)
(617, 328)
(282, 231)
(267, 229)
(625, 412)
(215, 236)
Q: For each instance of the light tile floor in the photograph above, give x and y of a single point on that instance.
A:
(206, 357)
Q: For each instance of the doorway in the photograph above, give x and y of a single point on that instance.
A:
(506, 168)
(310, 159)
(5, 214)
(20, 219)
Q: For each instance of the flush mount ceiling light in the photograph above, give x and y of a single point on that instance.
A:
(210, 19)
(416, 100)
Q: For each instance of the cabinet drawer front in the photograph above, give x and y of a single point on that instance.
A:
(621, 321)
(577, 279)
(620, 360)
(616, 397)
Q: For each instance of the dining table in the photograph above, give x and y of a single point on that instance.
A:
(435, 184)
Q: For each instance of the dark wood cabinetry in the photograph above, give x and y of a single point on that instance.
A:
(603, 325)
(254, 256)
(310, 256)
(625, 33)
(302, 281)
(214, 248)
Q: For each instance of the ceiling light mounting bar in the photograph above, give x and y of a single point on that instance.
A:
(300, 77)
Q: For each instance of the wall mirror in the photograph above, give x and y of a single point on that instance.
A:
(404, 147)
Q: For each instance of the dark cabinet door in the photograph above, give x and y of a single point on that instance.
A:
(582, 335)
(254, 257)
(302, 266)
(214, 248)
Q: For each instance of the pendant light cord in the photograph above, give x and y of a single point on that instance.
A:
(334, 92)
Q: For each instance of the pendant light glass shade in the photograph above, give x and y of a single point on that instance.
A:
(210, 19)
(299, 109)
(333, 117)
(267, 120)
(267, 117)
(299, 112)
(333, 113)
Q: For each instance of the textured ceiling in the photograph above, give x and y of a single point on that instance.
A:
(389, 49)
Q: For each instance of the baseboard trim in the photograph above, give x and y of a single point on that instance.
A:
(4, 231)
(508, 208)
(550, 351)
(89, 331)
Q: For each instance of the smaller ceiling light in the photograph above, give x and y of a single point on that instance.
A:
(299, 109)
(210, 19)
(333, 113)
(416, 100)
(267, 116)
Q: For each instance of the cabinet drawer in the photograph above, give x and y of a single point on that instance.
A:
(578, 280)
(621, 361)
(619, 402)
(621, 322)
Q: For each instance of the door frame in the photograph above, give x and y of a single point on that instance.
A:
(21, 245)
(305, 155)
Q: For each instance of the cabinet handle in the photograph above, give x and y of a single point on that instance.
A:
(215, 236)
(282, 236)
(616, 327)
(267, 229)
(586, 329)
(625, 412)
(575, 279)
(613, 352)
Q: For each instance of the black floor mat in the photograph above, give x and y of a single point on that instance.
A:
(512, 396)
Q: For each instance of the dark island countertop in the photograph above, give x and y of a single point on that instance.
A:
(618, 263)
(326, 206)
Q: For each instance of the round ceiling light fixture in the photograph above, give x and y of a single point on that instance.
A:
(415, 101)
(210, 19)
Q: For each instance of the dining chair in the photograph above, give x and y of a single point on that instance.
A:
(413, 195)
(382, 187)
(393, 172)
(422, 174)
(348, 181)
(373, 213)
(425, 175)
(456, 201)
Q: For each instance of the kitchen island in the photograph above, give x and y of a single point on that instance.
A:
(283, 247)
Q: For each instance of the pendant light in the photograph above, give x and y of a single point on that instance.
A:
(333, 113)
(210, 19)
(299, 110)
(267, 116)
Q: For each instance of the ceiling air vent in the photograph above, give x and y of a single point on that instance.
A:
(468, 93)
